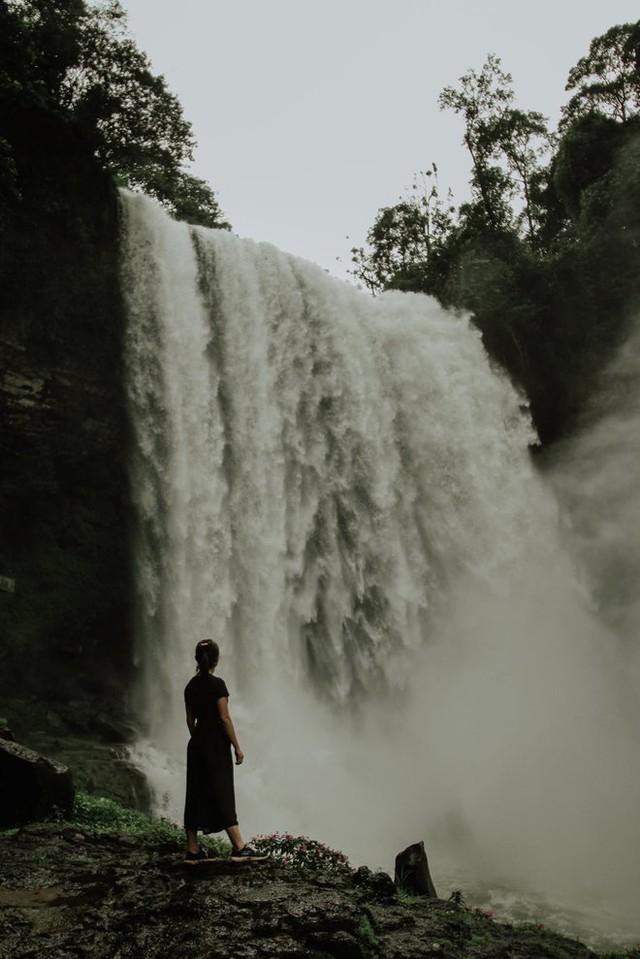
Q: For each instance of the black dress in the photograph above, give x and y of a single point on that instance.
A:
(210, 801)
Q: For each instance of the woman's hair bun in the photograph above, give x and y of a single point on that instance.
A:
(207, 655)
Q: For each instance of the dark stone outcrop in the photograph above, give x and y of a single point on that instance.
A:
(6, 732)
(412, 871)
(32, 786)
(92, 744)
(65, 892)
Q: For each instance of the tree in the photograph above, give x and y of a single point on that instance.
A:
(40, 43)
(77, 61)
(506, 146)
(397, 242)
(192, 200)
(607, 80)
(406, 240)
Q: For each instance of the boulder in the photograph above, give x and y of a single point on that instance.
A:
(33, 787)
(5, 732)
(412, 871)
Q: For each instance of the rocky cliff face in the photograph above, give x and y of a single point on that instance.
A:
(64, 608)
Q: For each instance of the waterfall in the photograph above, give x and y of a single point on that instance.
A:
(338, 490)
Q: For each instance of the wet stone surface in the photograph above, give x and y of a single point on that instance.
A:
(65, 893)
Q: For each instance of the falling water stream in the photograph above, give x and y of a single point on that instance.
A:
(339, 491)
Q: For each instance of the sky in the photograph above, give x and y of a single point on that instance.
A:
(310, 116)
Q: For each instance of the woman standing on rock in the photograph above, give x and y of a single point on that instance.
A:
(210, 800)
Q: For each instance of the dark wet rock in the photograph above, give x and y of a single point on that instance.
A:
(66, 893)
(412, 871)
(379, 885)
(92, 744)
(80, 717)
(32, 786)
(6, 733)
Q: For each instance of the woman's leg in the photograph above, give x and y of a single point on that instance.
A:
(234, 834)
(192, 840)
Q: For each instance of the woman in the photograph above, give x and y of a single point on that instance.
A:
(210, 800)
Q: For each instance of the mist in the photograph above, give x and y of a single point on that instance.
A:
(507, 750)
(595, 476)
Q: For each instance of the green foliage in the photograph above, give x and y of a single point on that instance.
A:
(398, 241)
(407, 241)
(480, 98)
(545, 254)
(40, 42)
(302, 853)
(192, 200)
(506, 146)
(587, 152)
(404, 896)
(366, 933)
(76, 62)
(607, 80)
(105, 816)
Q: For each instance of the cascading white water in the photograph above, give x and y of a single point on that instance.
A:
(338, 490)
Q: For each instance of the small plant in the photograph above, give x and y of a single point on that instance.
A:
(366, 933)
(302, 852)
(404, 896)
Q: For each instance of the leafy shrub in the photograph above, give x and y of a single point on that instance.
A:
(302, 852)
(103, 816)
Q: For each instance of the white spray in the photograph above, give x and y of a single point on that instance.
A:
(338, 490)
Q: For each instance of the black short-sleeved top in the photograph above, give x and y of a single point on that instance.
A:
(201, 697)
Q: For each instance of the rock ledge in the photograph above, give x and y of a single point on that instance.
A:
(65, 892)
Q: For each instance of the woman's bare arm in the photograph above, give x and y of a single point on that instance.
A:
(225, 719)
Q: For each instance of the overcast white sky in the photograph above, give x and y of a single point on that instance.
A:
(312, 114)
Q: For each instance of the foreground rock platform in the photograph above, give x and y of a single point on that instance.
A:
(65, 893)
